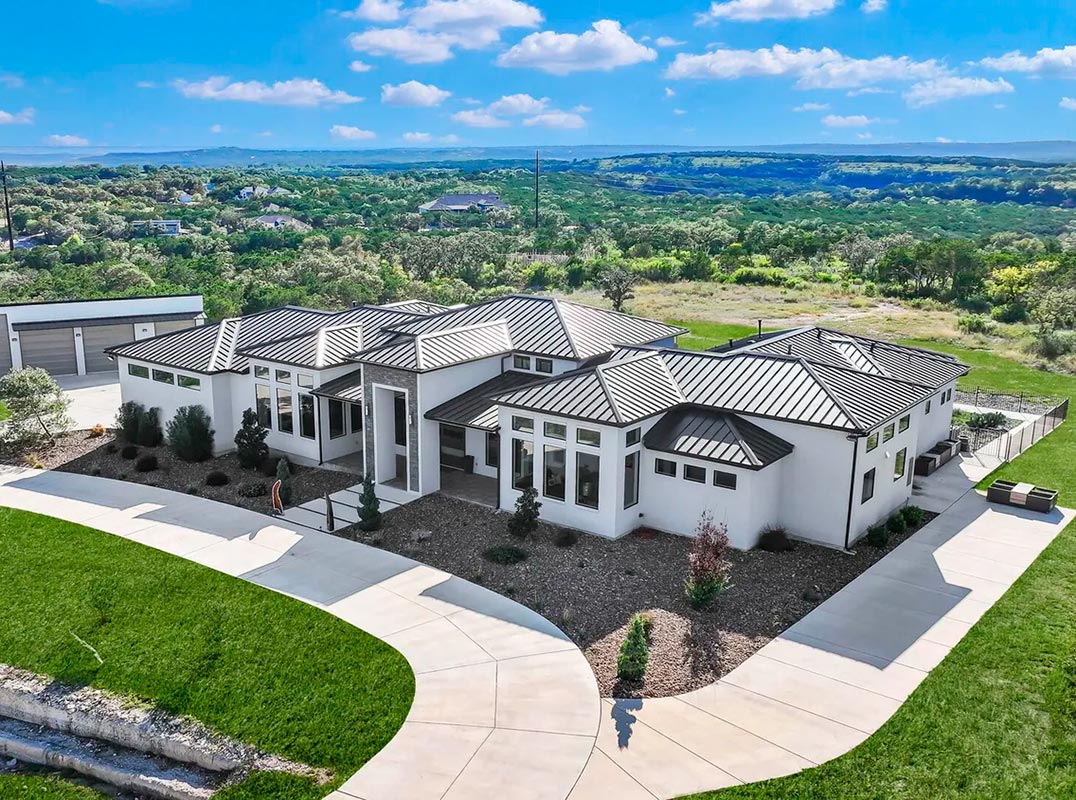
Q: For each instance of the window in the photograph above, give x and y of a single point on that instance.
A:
(187, 382)
(868, 485)
(662, 466)
(336, 419)
(522, 464)
(544, 365)
(523, 424)
(587, 474)
(889, 432)
(305, 381)
(724, 480)
(284, 421)
(283, 376)
(905, 423)
(631, 479)
(522, 362)
(899, 464)
(264, 405)
(872, 441)
(306, 416)
(928, 407)
(161, 376)
(399, 407)
(634, 436)
(138, 370)
(554, 430)
(356, 417)
(261, 372)
(587, 436)
(694, 474)
(554, 463)
(493, 449)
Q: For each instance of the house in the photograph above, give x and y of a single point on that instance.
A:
(614, 426)
(462, 203)
(184, 198)
(29, 242)
(247, 192)
(157, 227)
(281, 221)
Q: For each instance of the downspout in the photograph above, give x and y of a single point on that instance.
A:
(851, 490)
(317, 428)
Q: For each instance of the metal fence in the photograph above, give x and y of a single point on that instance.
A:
(1012, 443)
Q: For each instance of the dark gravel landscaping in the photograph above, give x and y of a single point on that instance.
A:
(591, 587)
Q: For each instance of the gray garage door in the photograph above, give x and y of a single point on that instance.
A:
(5, 346)
(96, 338)
(52, 349)
(172, 325)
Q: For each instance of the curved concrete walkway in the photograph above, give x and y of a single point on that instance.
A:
(505, 705)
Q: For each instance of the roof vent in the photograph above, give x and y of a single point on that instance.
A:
(790, 349)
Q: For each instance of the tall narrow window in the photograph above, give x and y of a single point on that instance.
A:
(554, 465)
(356, 417)
(631, 479)
(868, 485)
(522, 464)
(399, 405)
(336, 419)
(306, 416)
(587, 475)
(264, 405)
(493, 449)
(285, 422)
(899, 463)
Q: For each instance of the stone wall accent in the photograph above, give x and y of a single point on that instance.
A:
(404, 381)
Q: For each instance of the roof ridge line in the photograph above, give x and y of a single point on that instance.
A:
(732, 421)
(565, 328)
(825, 387)
(221, 328)
(608, 395)
(319, 348)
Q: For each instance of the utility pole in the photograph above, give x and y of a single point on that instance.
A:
(7, 209)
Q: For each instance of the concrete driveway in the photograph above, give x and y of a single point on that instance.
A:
(94, 398)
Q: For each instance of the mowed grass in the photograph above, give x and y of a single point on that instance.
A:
(996, 719)
(705, 335)
(249, 662)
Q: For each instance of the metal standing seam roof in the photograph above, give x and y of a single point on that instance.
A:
(90, 322)
(716, 436)
(347, 388)
(477, 408)
(442, 348)
(550, 326)
(421, 307)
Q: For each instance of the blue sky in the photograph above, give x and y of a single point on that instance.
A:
(390, 73)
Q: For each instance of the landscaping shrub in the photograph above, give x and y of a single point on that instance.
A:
(760, 276)
(190, 435)
(369, 505)
(271, 465)
(524, 520)
(192, 490)
(97, 431)
(250, 446)
(896, 524)
(283, 474)
(634, 652)
(975, 323)
(112, 448)
(149, 428)
(36, 407)
(566, 537)
(147, 463)
(878, 536)
(913, 516)
(129, 452)
(708, 568)
(774, 540)
(252, 490)
(1052, 344)
(505, 554)
(217, 478)
(129, 421)
(988, 419)
(33, 461)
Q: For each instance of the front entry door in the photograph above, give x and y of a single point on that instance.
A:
(453, 446)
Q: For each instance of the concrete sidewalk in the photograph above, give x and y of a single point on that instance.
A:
(505, 704)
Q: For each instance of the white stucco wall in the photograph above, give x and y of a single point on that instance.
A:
(936, 425)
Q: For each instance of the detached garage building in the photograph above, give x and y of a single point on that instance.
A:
(69, 337)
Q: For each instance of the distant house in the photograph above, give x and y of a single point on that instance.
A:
(461, 203)
(157, 227)
(185, 198)
(247, 192)
(29, 242)
(281, 221)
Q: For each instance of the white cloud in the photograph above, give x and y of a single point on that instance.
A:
(874, 6)
(359, 66)
(405, 44)
(216, 128)
(851, 121)
(868, 90)
(582, 109)
(812, 107)
(929, 92)
(294, 92)
(414, 94)
(350, 133)
(375, 11)
(417, 136)
(9, 80)
(813, 69)
(1056, 62)
(479, 118)
(670, 92)
(67, 140)
(667, 41)
(757, 10)
(604, 47)
(943, 140)
(517, 104)
(865, 135)
(265, 134)
(146, 85)
(561, 120)
(24, 117)
(679, 112)
(1067, 103)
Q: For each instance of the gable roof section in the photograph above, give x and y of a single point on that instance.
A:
(443, 348)
(550, 326)
(716, 436)
(477, 408)
(346, 387)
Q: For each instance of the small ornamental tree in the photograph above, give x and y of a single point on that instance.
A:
(708, 568)
(129, 421)
(37, 405)
(190, 435)
(524, 521)
(250, 446)
(283, 474)
(149, 428)
(634, 652)
(369, 505)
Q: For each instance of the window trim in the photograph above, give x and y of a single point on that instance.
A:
(285, 372)
(351, 415)
(637, 457)
(131, 370)
(521, 362)
(290, 430)
(863, 496)
(560, 438)
(689, 467)
(657, 467)
(170, 376)
(543, 365)
(304, 399)
(493, 445)
(902, 458)
(304, 380)
(905, 423)
(262, 373)
(580, 457)
(875, 437)
(343, 418)
(927, 409)
(266, 423)
(518, 447)
(889, 431)
(546, 450)
(726, 484)
(633, 437)
(522, 424)
(579, 432)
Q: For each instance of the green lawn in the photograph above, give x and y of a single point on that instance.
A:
(247, 661)
(705, 335)
(997, 718)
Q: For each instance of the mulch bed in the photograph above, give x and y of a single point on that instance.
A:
(593, 587)
(81, 453)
